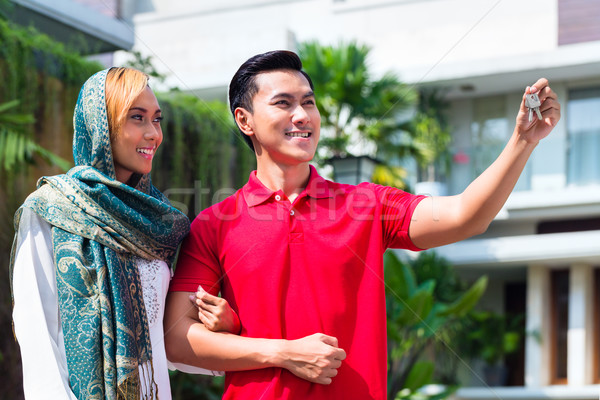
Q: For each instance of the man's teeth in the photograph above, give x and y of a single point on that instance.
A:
(146, 151)
(298, 134)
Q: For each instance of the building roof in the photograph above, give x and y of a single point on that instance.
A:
(77, 25)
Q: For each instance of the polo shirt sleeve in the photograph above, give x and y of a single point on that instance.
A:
(397, 208)
(198, 263)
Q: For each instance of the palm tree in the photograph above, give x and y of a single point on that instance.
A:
(357, 110)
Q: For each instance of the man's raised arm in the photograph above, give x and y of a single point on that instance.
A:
(447, 219)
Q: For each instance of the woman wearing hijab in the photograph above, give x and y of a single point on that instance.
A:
(91, 256)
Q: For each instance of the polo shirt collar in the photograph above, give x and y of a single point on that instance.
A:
(256, 193)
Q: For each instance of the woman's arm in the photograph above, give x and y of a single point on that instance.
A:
(315, 358)
(35, 314)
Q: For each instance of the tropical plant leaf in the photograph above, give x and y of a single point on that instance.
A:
(467, 301)
(15, 147)
(420, 374)
(418, 306)
(399, 277)
(8, 105)
(13, 119)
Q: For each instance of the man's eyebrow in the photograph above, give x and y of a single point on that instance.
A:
(290, 96)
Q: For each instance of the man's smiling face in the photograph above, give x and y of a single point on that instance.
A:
(285, 123)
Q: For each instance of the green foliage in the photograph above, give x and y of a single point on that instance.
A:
(145, 64)
(27, 49)
(195, 387)
(419, 314)
(465, 303)
(5, 7)
(431, 135)
(29, 97)
(354, 106)
(490, 336)
(432, 266)
(390, 175)
(420, 375)
(15, 147)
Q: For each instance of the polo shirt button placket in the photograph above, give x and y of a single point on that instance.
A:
(296, 233)
(277, 197)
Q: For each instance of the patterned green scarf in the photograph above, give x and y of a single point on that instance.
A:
(99, 227)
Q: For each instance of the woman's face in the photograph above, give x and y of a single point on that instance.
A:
(134, 147)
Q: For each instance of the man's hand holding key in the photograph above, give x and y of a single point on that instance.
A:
(542, 100)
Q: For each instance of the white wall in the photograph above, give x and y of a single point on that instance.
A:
(201, 44)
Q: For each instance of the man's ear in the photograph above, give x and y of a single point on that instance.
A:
(243, 119)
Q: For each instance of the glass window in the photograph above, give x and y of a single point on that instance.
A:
(583, 127)
(489, 131)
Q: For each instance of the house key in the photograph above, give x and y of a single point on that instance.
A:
(532, 101)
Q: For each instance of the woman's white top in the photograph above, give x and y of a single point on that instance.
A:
(37, 322)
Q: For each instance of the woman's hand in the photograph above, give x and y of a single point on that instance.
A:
(215, 313)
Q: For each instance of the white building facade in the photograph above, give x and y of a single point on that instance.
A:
(542, 253)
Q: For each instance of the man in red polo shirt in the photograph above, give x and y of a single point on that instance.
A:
(300, 258)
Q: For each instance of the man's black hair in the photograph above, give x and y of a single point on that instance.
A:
(243, 84)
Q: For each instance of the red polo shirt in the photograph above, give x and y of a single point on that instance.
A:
(291, 270)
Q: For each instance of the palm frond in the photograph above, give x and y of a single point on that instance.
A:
(16, 148)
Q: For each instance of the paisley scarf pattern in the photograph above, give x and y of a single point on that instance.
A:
(99, 227)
